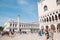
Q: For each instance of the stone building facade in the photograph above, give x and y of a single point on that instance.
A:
(49, 14)
(27, 27)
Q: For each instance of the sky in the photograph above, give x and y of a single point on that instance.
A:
(10, 9)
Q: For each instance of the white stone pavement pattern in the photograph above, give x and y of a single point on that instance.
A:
(29, 36)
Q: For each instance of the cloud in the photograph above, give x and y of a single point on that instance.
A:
(9, 3)
(8, 6)
(25, 7)
(22, 2)
(30, 10)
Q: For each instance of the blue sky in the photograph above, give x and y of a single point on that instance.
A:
(27, 9)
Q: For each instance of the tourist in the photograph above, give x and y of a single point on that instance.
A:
(47, 35)
(52, 33)
(40, 33)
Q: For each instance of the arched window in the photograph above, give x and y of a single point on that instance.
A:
(20, 25)
(49, 18)
(58, 27)
(13, 25)
(53, 27)
(56, 11)
(10, 24)
(55, 17)
(45, 8)
(59, 16)
(58, 2)
(44, 20)
(24, 25)
(47, 27)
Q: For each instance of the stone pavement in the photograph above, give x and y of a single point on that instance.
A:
(57, 36)
(29, 36)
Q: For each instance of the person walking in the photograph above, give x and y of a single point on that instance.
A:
(40, 33)
(52, 33)
(47, 35)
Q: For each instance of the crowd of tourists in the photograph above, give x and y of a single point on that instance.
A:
(2, 33)
(49, 33)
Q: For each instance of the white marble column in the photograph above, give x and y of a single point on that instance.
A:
(56, 28)
(58, 17)
(18, 25)
(12, 27)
